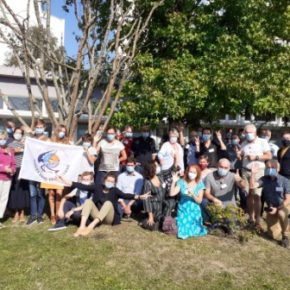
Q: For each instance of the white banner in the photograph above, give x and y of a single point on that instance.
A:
(44, 161)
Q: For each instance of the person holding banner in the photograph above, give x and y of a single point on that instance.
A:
(103, 208)
(37, 198)
(7, 170)
(55, 192)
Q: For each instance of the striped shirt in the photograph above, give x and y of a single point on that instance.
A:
(18, 155)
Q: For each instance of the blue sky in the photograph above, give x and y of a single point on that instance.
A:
(70, 26)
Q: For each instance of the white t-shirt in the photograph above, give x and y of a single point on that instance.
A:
(166, 154)
(85, 164)
(110, 153)
(256, 148)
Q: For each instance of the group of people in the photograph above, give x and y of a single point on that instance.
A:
(124, 175)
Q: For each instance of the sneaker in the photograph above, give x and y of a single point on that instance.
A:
(32, 220)
(285, 242)
(60, 225)
(40, 220)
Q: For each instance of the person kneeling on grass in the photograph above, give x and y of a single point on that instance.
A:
(70, 211)
(276, 193)
(103, 208)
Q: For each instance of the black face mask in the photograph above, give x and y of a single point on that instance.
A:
(286, 143)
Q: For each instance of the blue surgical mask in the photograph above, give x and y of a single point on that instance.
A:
(206, 137)
(3, 142)
(39, 131)
(235, 142)
(271, 172)
(145, 134)
(129, 135)
(111, 137)
(222, 172)
(130, 169)
(61, 135)
(109, 185)
(250, 136)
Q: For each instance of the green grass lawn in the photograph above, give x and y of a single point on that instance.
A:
(127, 257)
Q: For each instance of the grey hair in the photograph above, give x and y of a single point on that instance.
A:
(252, 126)
(224, 160)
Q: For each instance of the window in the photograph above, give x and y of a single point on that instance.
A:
(23, 103)
(54, 104)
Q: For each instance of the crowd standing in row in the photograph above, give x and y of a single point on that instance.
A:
(122, 174)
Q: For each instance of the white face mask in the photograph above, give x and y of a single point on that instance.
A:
(17, 136)
(109, 185)
(192, 175)
(173, 140)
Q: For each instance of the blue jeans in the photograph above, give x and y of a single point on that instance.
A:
(76, 217)
(37, 199)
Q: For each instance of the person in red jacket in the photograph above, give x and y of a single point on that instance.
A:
(7, 170)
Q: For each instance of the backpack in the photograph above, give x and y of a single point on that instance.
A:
(169, 226)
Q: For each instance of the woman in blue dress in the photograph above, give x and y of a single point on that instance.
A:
(191, 188)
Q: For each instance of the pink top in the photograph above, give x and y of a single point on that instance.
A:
(7, 159)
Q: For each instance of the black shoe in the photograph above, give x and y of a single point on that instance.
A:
(60, 225)
(32, 220)
(40, 220)
(285, 242)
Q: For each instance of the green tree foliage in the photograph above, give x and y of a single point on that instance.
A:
(203, 59)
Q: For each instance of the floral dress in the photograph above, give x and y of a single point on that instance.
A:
(189, 218)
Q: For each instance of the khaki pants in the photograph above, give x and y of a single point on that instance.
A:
(4, 194)
(278, 224)
(105, 214)
(247, 176)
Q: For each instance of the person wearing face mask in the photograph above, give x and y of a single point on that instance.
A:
(214, 149)
(267, 134)
(154, 206)
(55, 192)
(171, 154)
(10, 127)
(254, 150)
(203, 165)
(112, 153)
(127, 140)
(284, 155)
(130, 182)
(19, 194)
(232, 150)
(144, 147)
(276, 194)
(103, 208)
(171, 159)
(71, 205)
(221, 185)
(190, 151)
(37, 197)
(7, 170)
(191, 188)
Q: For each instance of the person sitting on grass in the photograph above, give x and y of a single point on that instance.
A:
(103, 208)
(276, 193)
(71, 205)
